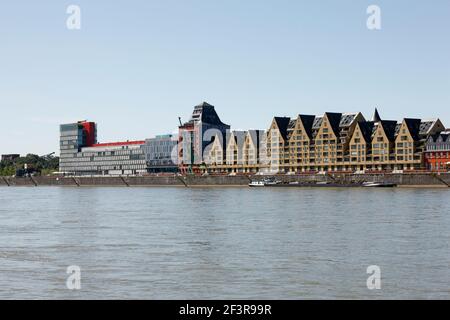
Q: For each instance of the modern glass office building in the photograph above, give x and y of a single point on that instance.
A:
(80, 154)
(73, 137)
(161, 153)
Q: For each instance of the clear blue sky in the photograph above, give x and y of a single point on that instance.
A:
(135, 66)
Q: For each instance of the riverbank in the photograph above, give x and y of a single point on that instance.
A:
(403, 180)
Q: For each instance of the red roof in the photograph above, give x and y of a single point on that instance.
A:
(118, 144)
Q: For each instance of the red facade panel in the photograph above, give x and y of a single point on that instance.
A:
(89, 133)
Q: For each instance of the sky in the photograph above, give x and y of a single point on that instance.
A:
(135, 66)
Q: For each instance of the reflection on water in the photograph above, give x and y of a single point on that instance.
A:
(231, 243)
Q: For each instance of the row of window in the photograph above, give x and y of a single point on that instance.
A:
(104, 163)
(443, 147)
(103, 168)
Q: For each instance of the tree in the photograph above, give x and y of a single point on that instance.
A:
(33, 162)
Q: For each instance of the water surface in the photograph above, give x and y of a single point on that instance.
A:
(224, 243)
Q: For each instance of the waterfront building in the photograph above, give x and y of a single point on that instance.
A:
(361, 145)
(410, 143)
(161, 153)
(241, 152)
(196, 134)
(332, 142)
(215, 153)
(312, 143)
(383, 146)
(301, 143)
(437, 152)
(81, 154)
(347, 142)
(326, 142)
(116, 158)
(73, 137)
(407, 144)
(253, 150)
(235, 150)
(277, 143)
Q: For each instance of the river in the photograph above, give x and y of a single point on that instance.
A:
(224, 243)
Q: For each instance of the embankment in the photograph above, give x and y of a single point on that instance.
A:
(408, 179)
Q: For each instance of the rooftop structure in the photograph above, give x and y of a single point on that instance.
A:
(196, 134)
(10, 157)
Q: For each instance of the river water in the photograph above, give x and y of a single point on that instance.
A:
(224, 243)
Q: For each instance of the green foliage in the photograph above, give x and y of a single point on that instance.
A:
(45, 165)
(7, 171)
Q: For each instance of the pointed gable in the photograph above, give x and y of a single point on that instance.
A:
(307, 122)
(283, 124)
(367, 129)
(430, 127)
(335, 120)
(389, 128)
(413, 126)
(253, 136)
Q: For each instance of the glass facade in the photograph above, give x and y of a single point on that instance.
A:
(161, 153)
(77, 158)
(113, 160)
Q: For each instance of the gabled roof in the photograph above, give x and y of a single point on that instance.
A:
(430, 126)
(254, 135)
(291, 127)
(335, 120)
(425, 126)
(307, 121)
(206, 113)
(445, 136)
(389, 128)
(239, 136)
(317, 123)
(413, 127)
(367, 129)
(347, 119)
(218, 138)
(282, 124)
